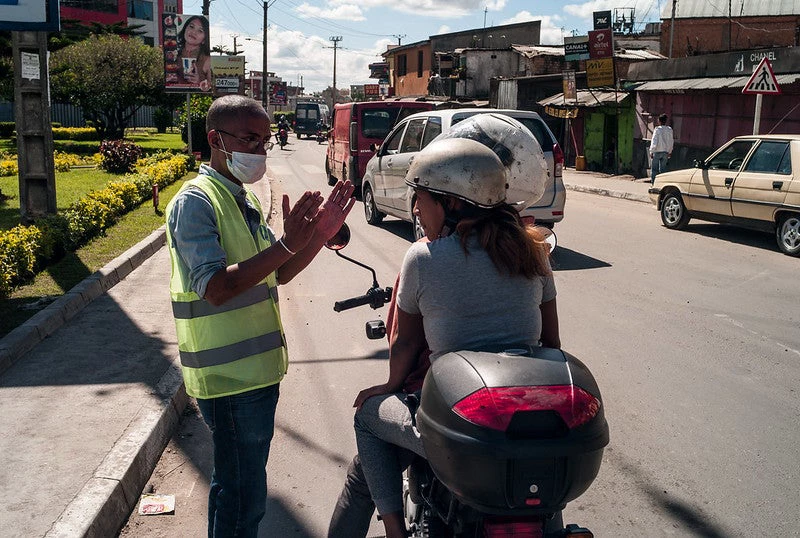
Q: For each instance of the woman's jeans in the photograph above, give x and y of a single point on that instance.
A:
(242, 428)
(384, 434)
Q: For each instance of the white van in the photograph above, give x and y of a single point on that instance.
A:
(384, 189)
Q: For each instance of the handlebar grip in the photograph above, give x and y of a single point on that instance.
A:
(338, 306)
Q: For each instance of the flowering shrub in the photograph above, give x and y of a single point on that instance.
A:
(119, 156)
(65, 161)
(9, 166)
(75, 133)
(23, 249)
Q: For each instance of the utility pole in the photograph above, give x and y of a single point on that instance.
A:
(206, 7)
(335, 39)
(672, 26)
(264, 85)
(399, 37)
(235, 49)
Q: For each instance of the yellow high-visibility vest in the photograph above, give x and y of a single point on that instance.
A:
(240, 345)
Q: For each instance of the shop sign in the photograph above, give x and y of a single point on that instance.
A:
(568, 83)
(602, 19)
(576, 48)
(561, 112)
(372, 90)
(600, 72)
(601, 44)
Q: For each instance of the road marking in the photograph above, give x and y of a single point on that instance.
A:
(754, 333)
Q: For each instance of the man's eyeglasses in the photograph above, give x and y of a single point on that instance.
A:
(252, 142)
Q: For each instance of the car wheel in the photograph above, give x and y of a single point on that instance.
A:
(331, 178)
(370, 209)
(788, 234)
(673, 212)
(298, 136)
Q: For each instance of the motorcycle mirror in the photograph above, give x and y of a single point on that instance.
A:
(340, 239)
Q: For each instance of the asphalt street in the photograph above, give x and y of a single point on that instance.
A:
(692, 337)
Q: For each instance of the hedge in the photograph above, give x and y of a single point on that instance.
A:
(26, 249)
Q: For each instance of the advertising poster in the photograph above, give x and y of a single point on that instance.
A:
(568, 83)
(279, 94)
(600, 72)
(601, 44)
(228, 74)
(30, 15)
(576, 48)
(187, 55)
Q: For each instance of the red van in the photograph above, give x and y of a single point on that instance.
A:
(355, 126)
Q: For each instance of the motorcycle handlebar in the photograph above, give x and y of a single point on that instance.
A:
(375, 297)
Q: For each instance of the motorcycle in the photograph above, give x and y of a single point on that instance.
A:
(322, 134)
(282, 136)
(511, 435)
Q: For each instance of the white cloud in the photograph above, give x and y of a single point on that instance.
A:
(443, 29)
(442, 9)
(337, 11)
(551, 33)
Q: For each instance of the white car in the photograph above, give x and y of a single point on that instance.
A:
(384, 189)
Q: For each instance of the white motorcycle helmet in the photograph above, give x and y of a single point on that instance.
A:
(462, 168)
(518, 150)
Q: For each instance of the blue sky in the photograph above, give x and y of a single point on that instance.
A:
(299, 30)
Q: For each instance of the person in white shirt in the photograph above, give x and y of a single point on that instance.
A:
(660, 147)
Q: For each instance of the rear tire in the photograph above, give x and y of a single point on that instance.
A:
(673, 211)
(787, 234)
(371, 212)
(331, 179)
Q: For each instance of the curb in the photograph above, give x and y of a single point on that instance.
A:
(104, 503)
(22, 339)
(606, 192)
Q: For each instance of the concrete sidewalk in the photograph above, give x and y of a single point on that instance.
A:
(91, 390)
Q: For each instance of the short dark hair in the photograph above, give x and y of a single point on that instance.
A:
(662, 119)
(229, 108)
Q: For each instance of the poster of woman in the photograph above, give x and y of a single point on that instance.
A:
(187, 59)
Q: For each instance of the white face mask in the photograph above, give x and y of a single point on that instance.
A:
(246, 167)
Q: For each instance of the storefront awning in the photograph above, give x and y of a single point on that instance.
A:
(586, 99)
(706, 83)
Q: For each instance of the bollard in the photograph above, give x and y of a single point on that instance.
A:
(155, 196)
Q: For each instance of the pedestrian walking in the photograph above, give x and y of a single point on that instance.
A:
(226, 266)
(660, 147)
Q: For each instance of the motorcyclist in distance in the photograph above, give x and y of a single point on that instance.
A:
(479, 244)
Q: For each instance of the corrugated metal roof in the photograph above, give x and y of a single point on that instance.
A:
(638, 54)
(586, 99)
(529, 51)
(707, 83)
(689, 9)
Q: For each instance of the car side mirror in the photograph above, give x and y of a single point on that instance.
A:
(699, 164)
(373, 147)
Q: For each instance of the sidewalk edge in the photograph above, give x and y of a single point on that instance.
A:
(105, 502)
(25, 337)
(606, 192)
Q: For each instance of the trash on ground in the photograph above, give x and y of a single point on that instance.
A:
(156, 504)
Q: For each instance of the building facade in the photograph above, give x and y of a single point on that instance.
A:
(144, 13)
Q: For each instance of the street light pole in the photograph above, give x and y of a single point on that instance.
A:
(335, 39)
(264, 84)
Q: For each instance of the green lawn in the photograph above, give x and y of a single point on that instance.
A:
(70, 187)
(147, 138)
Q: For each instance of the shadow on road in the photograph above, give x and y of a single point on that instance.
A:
(565, 259)
(733, 234)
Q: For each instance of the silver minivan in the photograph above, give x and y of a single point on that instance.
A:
(384, 189)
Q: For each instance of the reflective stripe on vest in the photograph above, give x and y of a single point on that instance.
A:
(239, 345)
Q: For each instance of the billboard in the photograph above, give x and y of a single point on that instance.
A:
(576, 48)
(228, 75)
(601, 44)
(30, 15)
(600, 72)
(187, 55)
(280, 95)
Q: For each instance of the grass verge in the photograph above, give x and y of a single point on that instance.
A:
(58, 278)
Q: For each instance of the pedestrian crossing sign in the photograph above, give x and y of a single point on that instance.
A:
(763, 80)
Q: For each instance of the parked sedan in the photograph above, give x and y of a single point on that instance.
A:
(752, 181)
(384, 188)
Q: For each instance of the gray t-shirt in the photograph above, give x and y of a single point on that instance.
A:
(465, 302)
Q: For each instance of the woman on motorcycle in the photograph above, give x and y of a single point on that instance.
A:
(484, 281)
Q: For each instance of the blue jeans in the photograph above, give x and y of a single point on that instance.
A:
(241, 427)
(659, 164)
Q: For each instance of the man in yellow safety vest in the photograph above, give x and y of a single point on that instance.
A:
(226, 265)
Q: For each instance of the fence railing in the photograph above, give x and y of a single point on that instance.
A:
(72, 116)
